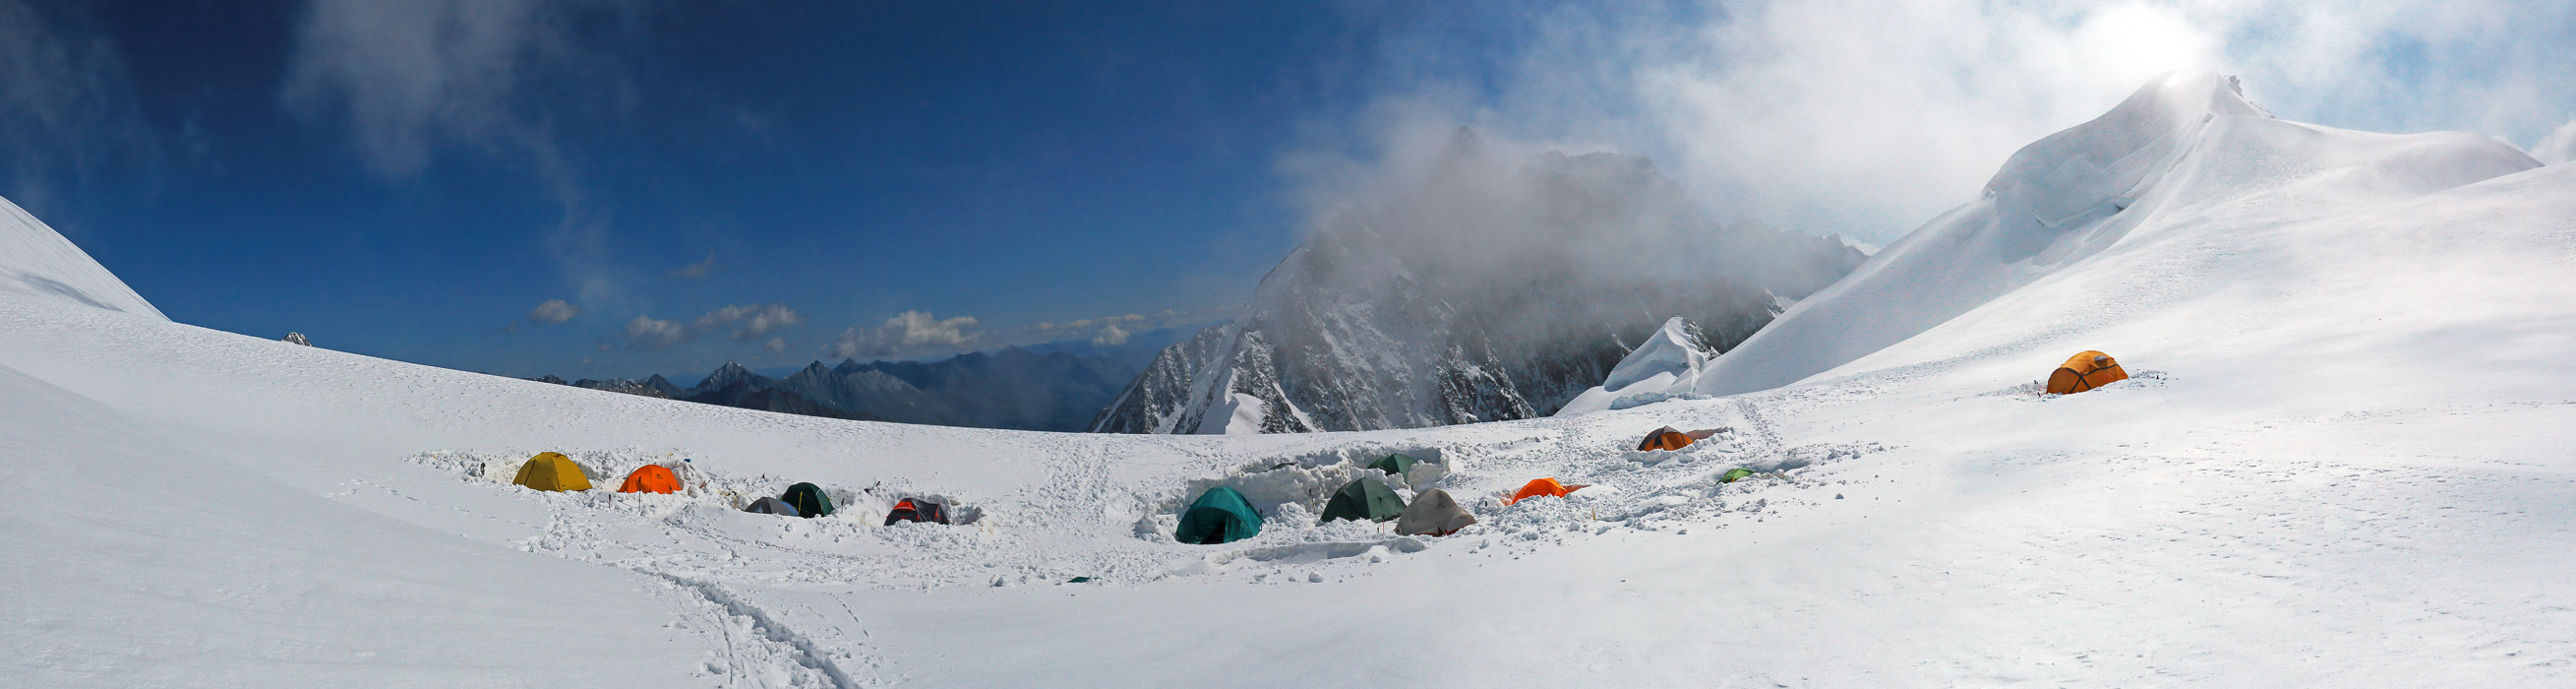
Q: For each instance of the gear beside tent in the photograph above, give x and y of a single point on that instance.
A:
(551, 471)
(651, 478)
(2085, 371)
(1364, 499)
(1735, 474)
(1433, 513)
(769, 505)
(1220, 515)
(808, 499)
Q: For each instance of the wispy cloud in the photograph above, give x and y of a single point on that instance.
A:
(67, 107)
(910, 332)
(696, 270)
(409, 79)
(553, 311)
(756, 321)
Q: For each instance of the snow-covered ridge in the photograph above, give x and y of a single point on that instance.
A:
(39, 261)
(2184, 146)
(1665, 365)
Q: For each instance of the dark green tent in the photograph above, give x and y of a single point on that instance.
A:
(1395, 464)
(808, 499)
(1734, 475)
(1367, 498)
(1219, 516)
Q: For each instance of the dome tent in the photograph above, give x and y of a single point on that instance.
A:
(1366, 498)
(808, 499)
(769, 505)
(1395, 464)
(1433, 513)
(651, 478)
(1220, 515)
(1666, 438)
(551, 471)
(917, 510)
(2085, 371)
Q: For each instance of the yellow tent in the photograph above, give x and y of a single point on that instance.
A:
(2083, 372)
(551, 471)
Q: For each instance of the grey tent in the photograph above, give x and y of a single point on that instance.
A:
(772, 506)
(1433, 513)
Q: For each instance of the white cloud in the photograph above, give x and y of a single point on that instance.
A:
(554, 311)
(757, 320)
(1869, 118)
(2558, 147)
(908, 333)
(1110, 336)
(646, 332)
(775, 344)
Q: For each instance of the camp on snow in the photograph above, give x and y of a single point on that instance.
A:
(770, 505)
(1365, 499)
(1433, 513)
(1395, 464)
(1220, 515)
(1666, 438)
(1543, 487)
(551, 471)
(917, 510)
(2085, 371)
(808, 499)
(651, 478)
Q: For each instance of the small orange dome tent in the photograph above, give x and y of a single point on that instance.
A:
(652, 478)
(1545, 486)
(551, 471)
(2083, 372)
(1666, 438)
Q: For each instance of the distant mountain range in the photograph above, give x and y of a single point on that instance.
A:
(1047, 387)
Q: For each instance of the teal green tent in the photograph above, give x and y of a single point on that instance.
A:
(1219, 516)
(1734, 475)
(1367, 498)
(808, 499)
(1395, 464)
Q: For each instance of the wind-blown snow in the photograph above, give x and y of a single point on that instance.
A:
(2342, 462)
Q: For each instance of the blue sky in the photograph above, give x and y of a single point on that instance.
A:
(594, 188)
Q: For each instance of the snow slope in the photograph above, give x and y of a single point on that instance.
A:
(40, 262)
(2342, 463)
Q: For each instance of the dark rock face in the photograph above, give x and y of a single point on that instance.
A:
(1498, 289)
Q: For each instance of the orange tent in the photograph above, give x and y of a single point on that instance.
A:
(653, 478)
(2083, 372)
(1665, 438)
(1545, 486)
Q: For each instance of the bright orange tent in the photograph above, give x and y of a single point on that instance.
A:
(1545, 486)
(653, 478)
(1665, 438)
(2083, 372)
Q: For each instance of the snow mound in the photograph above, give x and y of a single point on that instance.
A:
(41, 262)
(1665, 366)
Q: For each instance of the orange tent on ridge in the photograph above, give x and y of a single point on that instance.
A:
(1546, 487)
(653, 478)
